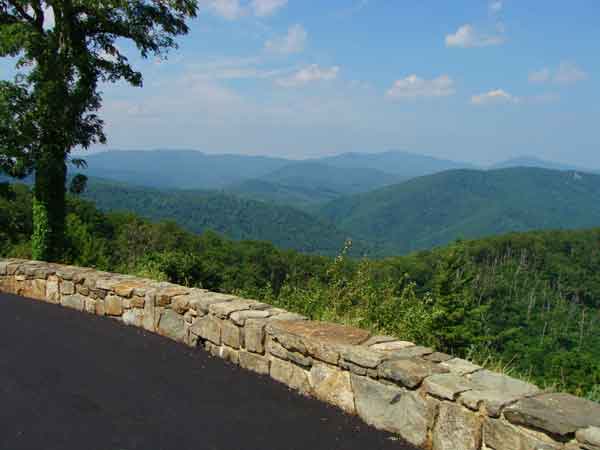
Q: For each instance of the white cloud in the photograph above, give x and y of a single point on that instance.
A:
(414, 87)
(495, 6)
(567, 72)
(494, 97)
(235, 9)
(234, 69)
(293, 42)
(540, 76)
(263, 8)
(227, 9)
(466, 37)
(309, 74)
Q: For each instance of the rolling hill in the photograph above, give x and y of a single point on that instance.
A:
(307, 183)
(227, 214)
(179, 169)
(433, 210)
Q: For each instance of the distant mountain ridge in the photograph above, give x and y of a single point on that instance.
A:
(433, 210)
(532, 161)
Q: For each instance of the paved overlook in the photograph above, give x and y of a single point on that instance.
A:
(89, 383)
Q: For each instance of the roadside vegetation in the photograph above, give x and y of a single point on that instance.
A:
(527, 304)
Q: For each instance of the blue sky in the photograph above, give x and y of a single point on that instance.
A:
(472, 80)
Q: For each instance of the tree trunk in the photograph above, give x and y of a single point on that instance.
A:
(47, 242)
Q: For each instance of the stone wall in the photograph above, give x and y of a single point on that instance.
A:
(428, 398)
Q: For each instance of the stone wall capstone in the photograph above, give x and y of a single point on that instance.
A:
(427, 398)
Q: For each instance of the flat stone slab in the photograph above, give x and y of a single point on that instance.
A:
(558, 414)
(321, 331)
(446, 385)
(224, 310)
(460, 366)
(362, 356)
(501, 435)
(590, 437)
(409, 372)
(495, 391)
(411, 351)
(392, 346)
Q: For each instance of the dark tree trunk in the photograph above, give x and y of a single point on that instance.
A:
(49, 206)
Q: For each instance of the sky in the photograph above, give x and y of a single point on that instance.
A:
(470, 80)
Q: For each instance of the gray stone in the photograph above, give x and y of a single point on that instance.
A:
(409, 352)
(171, 325)
(133, 317)
(74, 301)
(240, 317)
(290, 375)
(208, 328)
(201, 303)
(438, 357)
(446, 385)
(254, 336)
(394, 409)
(361, 356)
(392, 346)
(224, 310)
(287, 316)
(276, 349)
(495, 391)
(180, 303)
(231, 335)
(590, 437)
(456, 428)
(90, 305)
(558, 414)
(499, 435)
(409, 372)
(460, 366)
(358, 370)
(332, 385)
(254, 362)
(379, 339)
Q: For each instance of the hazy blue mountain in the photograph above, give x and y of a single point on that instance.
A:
(407, 165)
(436, 209)
(307, 183)
(180, 169)
(532, 161)
(234, 217)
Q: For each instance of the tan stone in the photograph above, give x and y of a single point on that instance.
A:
(90, 305)
(254, 362)
(67, 288)
(254, 336)
(500, 435)
(52, 290)
(208, 328)
(35, 289)
(332, 385)
(171, 325)
(456, 428)
(113, 305)
(291, 375)
(74, 301)
(133, 317)
(231, 335)
(126, 288)
(180, 303)
(229, 354)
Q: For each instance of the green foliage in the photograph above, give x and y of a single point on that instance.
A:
(51, 106)
(232, 216)
(435, 210)
(524, 304)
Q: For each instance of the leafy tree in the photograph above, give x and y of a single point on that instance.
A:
(63, 50)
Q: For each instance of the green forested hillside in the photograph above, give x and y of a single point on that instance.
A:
(527, 304)
(308, 183)
(224, 213)
(437, 209)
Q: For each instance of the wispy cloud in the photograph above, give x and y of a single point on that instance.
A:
(310, 74)
(567, 72)
(263, 8)
(234, 9)
(413, 87)
(497, 96)
(234, 69)
(495, 6)
(293, 42)
(467, 37)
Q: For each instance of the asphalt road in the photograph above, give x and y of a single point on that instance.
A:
(82, 382)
